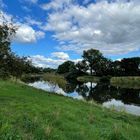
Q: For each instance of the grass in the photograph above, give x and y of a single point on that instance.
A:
(56, 79)
(126, 82)
(30, 114)
(88, 79)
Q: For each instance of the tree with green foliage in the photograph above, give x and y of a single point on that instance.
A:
(11, 64)
(92, 57)
(65, 67)
(82, 66)
(131, 66)
(97, 63)
(7, 31)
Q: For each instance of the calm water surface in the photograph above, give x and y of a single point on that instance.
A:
(127, 100)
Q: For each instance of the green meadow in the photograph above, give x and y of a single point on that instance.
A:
(27, 113)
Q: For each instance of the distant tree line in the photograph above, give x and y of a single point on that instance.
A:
(94, 63)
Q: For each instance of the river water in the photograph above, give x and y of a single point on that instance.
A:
(120, 99)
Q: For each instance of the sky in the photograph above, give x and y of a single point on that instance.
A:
(53, 31)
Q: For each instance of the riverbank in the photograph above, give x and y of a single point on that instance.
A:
(126, 82)
(122, 82)
(28, 113)
(88, 79)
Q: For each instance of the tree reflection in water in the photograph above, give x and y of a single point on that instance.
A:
(104, 92)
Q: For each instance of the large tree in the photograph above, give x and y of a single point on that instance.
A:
(65, 67)
(7, 31)
(93, 59)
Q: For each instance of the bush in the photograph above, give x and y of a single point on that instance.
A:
(105, 79)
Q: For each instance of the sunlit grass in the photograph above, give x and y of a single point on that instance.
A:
(29, 113)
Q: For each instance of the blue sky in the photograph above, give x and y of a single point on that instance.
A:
(53, 31)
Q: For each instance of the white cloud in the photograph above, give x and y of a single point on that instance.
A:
(40, 35)
(60, 55)
(56, 4)
(26, 34)
(41, 61)
(31, 21)
(113, 28)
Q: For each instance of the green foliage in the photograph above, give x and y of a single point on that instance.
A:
(6, 33)
(11, 64)
(105, 79)
(131, 66)
(82, 66)
(65, 67)
(48, 70)
(92, 57)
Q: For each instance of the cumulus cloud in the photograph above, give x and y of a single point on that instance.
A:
(60, 55)
(112, 27)
(26, 34)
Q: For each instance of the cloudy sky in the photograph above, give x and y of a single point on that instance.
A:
(53, 31)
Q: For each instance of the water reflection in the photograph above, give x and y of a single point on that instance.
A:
(120, 106)
(104, 92)
(52, 87)
(121, 99)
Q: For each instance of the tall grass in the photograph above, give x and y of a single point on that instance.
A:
(88, 79)
(56, 79)
(126, 82)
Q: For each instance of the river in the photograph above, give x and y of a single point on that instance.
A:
(120, 99)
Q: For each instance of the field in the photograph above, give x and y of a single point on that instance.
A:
(30, 114)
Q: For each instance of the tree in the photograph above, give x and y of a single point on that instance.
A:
(131, 66)
(7, 31)
(82, 66)
(65, 67)
(93, 58)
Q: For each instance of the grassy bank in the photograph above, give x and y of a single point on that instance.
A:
(30, 114)
(126, 82)
(55, 78)
(88, 79)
